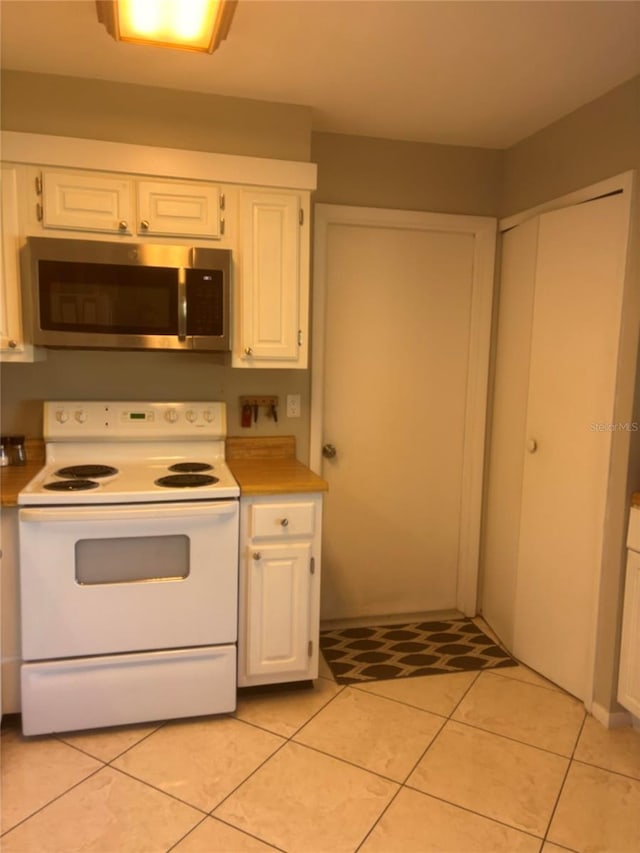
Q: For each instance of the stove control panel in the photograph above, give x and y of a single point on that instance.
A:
(130, 420)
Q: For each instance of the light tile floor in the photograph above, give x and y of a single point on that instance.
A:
(494, 761)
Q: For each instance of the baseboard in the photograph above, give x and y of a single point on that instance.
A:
(611, 719)
(388, 619)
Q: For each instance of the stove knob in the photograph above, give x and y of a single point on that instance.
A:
(191, 416)
(81, 416)
(61, 416)
(171, 415)
(208, 416)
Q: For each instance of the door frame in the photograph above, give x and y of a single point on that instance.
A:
(483, 229)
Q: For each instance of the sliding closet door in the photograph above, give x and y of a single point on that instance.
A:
(579, 279)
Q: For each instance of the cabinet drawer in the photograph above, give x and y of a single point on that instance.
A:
(282, 519)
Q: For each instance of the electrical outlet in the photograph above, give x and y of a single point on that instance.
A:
(293, 405)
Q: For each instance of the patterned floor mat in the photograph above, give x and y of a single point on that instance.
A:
(407, 650)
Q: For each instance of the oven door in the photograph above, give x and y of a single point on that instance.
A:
(99, 580)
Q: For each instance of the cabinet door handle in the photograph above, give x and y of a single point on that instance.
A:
(144, 225)
(257, 555)
(248, 351)
(123, 225)
(284, 522)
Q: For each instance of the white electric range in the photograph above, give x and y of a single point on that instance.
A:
(128, 566)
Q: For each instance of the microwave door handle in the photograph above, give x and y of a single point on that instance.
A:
(182, 304)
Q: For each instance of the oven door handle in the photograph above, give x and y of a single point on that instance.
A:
(131, 512)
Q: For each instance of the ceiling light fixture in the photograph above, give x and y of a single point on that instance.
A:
(186, 24)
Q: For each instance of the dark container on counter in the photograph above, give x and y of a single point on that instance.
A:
(16, 451)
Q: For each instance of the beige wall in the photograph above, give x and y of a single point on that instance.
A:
(597, 141)
(145, 115)
(368, 172)
(84, 375)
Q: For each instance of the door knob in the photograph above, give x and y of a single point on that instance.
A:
(328, 451)
(532, 445)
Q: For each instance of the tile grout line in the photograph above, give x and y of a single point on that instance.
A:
(564, 781)
(606, 769)
(478, 814)
(59, 737)
(406, 785)
(286, 740)
(513, 739)
(53, 800)
(428, 747)
(231, 826)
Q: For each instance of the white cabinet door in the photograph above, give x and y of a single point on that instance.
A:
(186, 210)
(279, 611)
(13, 345)
(273, 288)
(87, 202)
(278, 619)
(629, 678)
(570, 422)
(10, 306)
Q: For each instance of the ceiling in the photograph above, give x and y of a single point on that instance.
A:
(477, 73)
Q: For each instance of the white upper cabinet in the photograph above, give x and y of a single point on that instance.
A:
(257, 208)
(273, 290)
(12, 340)
(189, 210)
(85, 201)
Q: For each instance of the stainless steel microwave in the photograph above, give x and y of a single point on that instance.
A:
(90, 294)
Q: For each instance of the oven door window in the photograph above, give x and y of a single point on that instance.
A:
(111, 299)
(132, 559)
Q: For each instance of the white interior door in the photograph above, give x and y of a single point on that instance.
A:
(402, 326)
(577, 316)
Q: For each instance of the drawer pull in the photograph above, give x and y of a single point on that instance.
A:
(284, 522)
(256, 555)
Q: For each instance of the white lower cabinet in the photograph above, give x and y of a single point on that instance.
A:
(11, 656)
(279, 588)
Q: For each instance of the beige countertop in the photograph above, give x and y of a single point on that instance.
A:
(268, 466)
(14, 478)
(262, 466)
